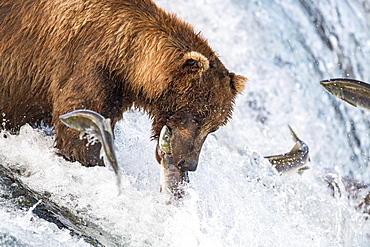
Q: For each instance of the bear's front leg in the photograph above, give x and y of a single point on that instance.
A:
(86, 91)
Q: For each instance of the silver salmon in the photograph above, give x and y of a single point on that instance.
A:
(95, 126)
(171, 175)
(295, 160)
(354, 92)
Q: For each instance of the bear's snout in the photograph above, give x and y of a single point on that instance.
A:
(186, 145)
(184, 165)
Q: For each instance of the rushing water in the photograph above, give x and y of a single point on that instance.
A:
(235, 198)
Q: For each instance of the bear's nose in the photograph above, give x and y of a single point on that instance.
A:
(187, 166)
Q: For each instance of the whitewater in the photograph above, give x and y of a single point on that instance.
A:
(235, 198)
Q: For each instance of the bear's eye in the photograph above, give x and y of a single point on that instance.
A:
(197, 119)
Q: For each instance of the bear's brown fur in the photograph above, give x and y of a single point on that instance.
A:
(57, 56)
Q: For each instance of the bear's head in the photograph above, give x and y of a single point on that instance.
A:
(196, 101)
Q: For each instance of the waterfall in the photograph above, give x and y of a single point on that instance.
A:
(235, 198)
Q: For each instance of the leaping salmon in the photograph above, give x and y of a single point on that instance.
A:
(95, 126)
(295, 160)
(354, 92)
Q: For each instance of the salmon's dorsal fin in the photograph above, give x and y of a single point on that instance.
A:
(297, 146)
(295, 137)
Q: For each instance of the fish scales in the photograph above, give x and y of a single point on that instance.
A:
(95, 125)
(295, 160)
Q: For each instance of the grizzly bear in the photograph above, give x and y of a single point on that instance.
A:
(108, 56)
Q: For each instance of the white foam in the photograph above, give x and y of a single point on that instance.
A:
(238, 200)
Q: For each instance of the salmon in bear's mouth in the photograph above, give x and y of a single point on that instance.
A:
(172, 177)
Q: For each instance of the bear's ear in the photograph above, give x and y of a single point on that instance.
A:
(238, 82)
(195, 63)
